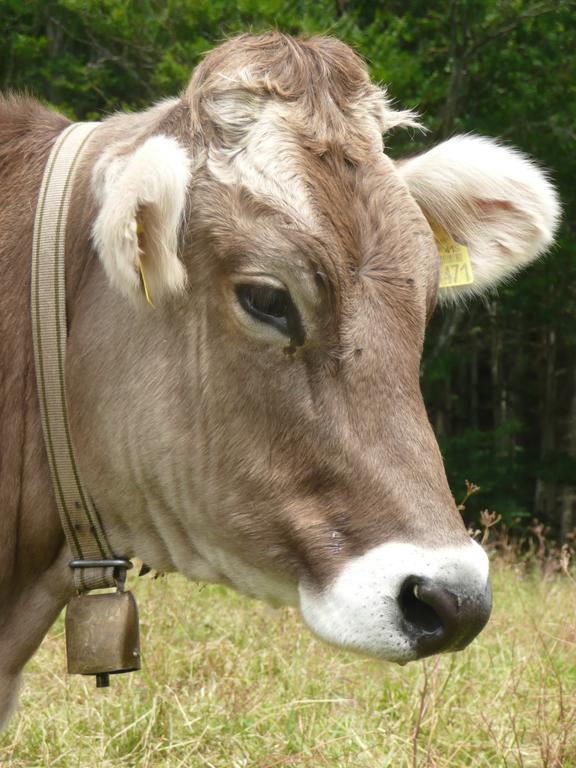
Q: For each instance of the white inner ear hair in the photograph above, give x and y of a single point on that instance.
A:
(149, 184)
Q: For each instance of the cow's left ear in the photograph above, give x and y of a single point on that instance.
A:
(490, 198)
(143, 202)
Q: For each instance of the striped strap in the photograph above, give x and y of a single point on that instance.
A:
(80, 520)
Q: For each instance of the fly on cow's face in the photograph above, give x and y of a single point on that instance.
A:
(273, 306)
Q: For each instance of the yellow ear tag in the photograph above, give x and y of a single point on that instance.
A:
(145, 285)
(142, 275)
(455, 265)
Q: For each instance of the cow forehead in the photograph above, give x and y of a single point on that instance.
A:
(266, 161)
(352, 202)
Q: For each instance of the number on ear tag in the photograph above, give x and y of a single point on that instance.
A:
(455, 265)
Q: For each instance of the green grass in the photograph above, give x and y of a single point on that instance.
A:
(230, 682)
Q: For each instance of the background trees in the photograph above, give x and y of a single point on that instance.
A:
(500, 374)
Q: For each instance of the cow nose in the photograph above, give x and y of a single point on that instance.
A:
(437, 618)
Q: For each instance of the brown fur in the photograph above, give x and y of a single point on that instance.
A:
(277, 453)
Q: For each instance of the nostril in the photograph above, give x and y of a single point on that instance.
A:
(417, 612)
(439, 619)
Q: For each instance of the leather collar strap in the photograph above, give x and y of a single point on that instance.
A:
(79, 516)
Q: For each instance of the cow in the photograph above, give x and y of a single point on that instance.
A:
(262, 426)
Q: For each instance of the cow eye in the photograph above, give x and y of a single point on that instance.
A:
(272, 306)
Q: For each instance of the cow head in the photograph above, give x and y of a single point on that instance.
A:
(264, 425)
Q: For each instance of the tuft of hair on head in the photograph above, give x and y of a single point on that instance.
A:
(324, 82)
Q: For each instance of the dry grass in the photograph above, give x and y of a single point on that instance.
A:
(229, 682)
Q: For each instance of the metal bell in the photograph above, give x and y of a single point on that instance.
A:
(102, 635)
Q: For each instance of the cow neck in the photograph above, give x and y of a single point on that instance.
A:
(94, 564)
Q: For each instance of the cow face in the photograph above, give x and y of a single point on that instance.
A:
(302, 466)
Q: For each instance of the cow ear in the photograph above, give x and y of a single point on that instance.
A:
(489, 198)
(143, 203)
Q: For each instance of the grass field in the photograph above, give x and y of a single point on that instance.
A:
(230, 682)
